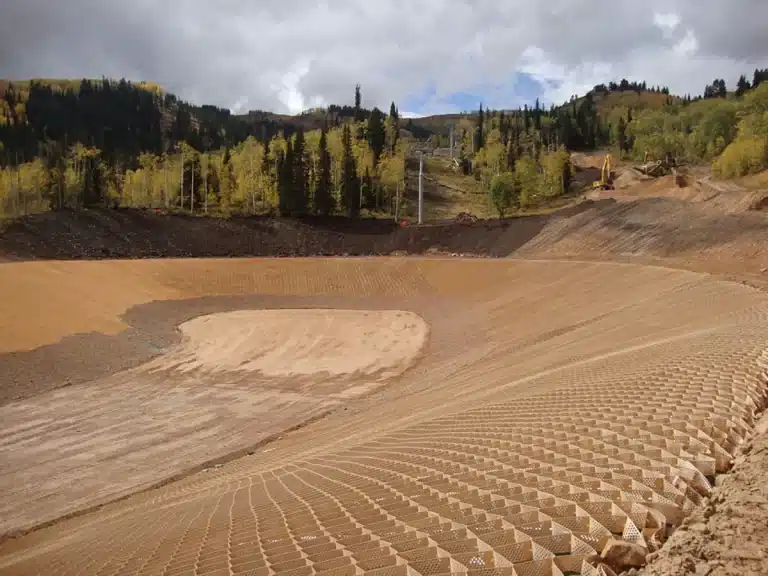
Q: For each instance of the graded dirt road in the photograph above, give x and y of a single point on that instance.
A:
(520, 413)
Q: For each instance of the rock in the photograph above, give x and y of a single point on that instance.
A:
(621, 555)
(700, 527)
(651, 557)
(719, 479)
(703, 570)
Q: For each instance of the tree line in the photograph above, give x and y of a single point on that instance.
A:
(731, 132)
(357, 165)
(112, 143)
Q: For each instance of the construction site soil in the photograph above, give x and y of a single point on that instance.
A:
(224, 413)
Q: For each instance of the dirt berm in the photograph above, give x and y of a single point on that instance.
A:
(650, 227)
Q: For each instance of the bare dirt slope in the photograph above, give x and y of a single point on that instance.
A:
(546, 402)
(555, 404)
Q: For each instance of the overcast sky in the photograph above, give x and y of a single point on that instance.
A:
(429, 56)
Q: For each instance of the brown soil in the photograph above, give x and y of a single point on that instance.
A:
(551, 395)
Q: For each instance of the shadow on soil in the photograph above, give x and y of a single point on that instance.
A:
(133, 233)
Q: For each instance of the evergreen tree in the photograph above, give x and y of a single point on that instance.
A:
(285, 182)
(350, 185)
(227, 183)
(480, 134)
(742, 86)
(376, 134)
(567, 174)
(213, 181)
(622, 136)
(537, 116)
(394, 118)
(300, 190)
(54, 166)
(721, 90)
(503, 128)
(511, 155)
(93, 184)
(323, 200)
(368, 190)
(358, 103)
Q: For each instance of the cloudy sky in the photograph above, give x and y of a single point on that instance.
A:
(429, 56)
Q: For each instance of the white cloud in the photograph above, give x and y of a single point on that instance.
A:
(688, 45)
(667, 22)
(287, 89)
(283, 55)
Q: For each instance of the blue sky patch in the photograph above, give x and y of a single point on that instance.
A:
(520, 89)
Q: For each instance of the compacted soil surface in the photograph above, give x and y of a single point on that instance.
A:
(587, 394)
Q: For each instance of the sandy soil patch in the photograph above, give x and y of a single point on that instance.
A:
(235, 378)
(286, 343)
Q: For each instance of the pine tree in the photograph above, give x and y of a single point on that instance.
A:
(285, 182)
(394, 116)
(537, 116)
(358, 103)
(722, 92)
(511, 155)
(480, 135)
(227, 183)
(742, 86)
(368, 190)
(93, 186)
(376, 134)
(300, 190)
(622, 136)
(350, 185)
(54, 166)
(323, 201)
(503, 128)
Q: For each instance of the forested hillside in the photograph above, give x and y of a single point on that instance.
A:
(72, 144)
(522, 156)
(120, 144)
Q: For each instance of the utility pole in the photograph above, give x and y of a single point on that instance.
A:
(205, 183)
(10, 181)
(397, 203)
(421, 186)
(181, 189)
(192, 193)
(19, 191)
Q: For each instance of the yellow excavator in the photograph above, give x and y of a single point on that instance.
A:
(606, 175)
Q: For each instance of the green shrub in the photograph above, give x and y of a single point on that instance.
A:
(741, 157)
(504, 192)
